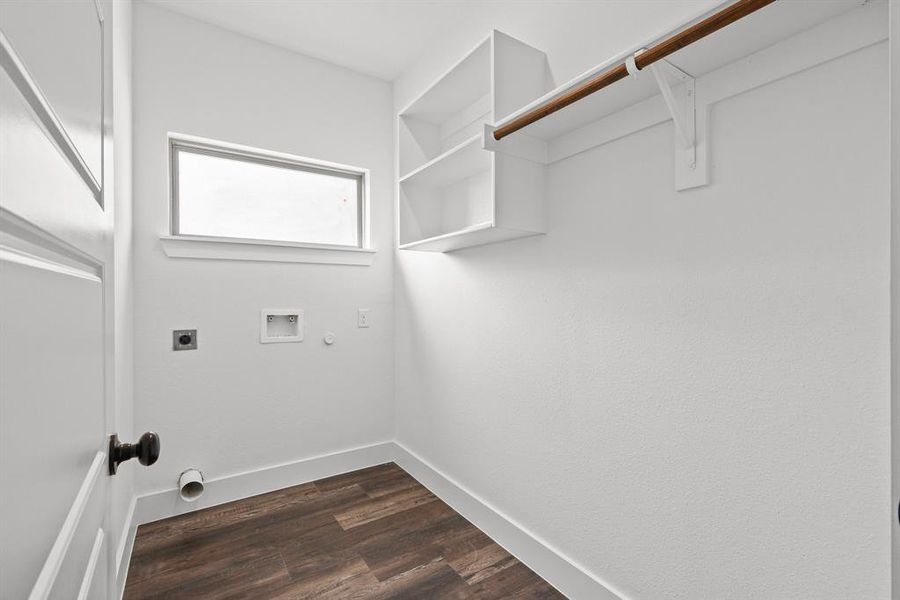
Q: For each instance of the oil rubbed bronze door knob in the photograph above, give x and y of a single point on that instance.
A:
(146, 450)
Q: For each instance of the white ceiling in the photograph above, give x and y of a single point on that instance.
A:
(380, 38)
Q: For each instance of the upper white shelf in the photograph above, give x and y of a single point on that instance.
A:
(758, 31)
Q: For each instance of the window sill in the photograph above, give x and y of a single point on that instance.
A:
(186, 246)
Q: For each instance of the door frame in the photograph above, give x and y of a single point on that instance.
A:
(894, 77)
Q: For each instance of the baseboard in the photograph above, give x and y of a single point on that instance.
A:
(570, 578)
(228, 488)
(566, 575)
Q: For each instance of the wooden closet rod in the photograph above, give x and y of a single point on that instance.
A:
(658, 51)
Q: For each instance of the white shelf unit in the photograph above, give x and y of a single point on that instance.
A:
(453, 193)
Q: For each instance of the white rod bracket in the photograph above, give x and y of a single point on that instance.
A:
(631, 65)
(682, 112)
(680, 98)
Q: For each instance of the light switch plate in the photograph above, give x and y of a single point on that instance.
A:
(280, 325)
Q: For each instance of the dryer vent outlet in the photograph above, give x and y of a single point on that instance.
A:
(190, 485)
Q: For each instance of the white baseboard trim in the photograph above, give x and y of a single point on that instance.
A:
(227, 488)
(124, 547)
(566, 575)
(570, 578)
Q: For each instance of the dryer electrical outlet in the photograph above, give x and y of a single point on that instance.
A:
(184, 339)
(280, 325)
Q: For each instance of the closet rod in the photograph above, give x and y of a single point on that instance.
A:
(658, 51)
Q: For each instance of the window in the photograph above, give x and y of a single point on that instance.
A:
(239, 194)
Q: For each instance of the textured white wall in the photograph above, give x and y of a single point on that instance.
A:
(688, 393)
(234, 404)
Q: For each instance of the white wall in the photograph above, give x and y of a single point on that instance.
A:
(687, 393)
(234, 404)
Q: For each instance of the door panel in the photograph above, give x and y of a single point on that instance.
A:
(55, 304)
(60, 44)
(38, 183)
(96, 571)
(78, 564)
(51, 352)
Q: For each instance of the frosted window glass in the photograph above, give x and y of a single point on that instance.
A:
(239, 197)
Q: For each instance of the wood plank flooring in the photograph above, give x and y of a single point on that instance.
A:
(371, 534)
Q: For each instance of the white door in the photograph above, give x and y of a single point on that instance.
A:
(56, 254)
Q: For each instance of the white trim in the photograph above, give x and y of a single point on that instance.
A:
(99, 11)
(564, 573)
(45, 114)
(126, 540)
(242, 152)
(227, 488)
(184, 246)
(123, 553)
(894, 77)
(23, 237)
(12, 255)
(50, 570)
(210, 143)
(91, 566)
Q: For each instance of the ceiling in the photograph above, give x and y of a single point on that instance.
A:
(381, 38)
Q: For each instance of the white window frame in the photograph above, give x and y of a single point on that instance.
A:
(177, 245)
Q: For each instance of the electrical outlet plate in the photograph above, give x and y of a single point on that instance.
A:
(184, 339)
(280, 325)
(362, 317)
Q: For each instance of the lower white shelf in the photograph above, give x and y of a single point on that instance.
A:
(496, 197)
(476, 235)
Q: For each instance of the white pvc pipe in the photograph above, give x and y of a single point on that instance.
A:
(190, 485)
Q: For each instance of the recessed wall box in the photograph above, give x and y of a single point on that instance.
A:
(279, 325)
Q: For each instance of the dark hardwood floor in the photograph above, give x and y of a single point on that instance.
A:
(374, 533)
